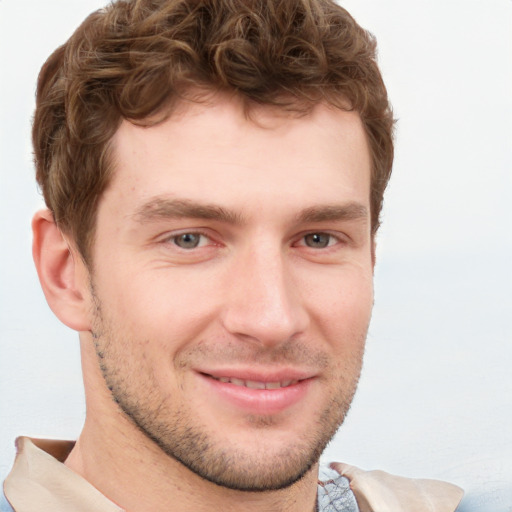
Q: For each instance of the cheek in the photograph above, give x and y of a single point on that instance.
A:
(341, 306)
(161, 305)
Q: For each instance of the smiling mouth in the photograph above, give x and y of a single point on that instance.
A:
(252, 384)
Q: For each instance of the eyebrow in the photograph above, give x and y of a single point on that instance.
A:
(164, 208)
(345, 212)
(161, 208)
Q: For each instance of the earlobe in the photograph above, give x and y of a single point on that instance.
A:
(62, 273)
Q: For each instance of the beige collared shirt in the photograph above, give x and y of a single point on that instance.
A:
(39, 481)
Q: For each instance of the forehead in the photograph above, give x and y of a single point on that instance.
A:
(216, 149)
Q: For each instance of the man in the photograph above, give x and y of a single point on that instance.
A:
(214, 173)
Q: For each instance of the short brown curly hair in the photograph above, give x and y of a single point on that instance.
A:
(135, 58)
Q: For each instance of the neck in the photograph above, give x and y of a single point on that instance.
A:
(134, 473)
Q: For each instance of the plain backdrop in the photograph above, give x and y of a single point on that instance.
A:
(435, 399)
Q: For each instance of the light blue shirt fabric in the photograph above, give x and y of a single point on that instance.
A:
(334, 494)
(4, 504)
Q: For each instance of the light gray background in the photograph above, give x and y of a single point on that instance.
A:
(435, 399)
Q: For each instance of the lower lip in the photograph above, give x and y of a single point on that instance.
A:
(258, 401)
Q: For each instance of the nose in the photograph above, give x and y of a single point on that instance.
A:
(264, 302)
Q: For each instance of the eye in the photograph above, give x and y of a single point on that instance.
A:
(189, 240)
(319, 240)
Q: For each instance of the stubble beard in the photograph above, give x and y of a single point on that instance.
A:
(176, 431)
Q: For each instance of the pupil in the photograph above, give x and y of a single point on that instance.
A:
(317, 240)
(187, 241)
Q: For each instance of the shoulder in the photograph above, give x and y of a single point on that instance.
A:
(383, 492)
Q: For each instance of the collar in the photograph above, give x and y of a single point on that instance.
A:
(40, 481)
(378, 491)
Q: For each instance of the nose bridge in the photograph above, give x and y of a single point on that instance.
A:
(263, 302)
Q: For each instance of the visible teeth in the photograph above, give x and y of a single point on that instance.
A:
(254, 384)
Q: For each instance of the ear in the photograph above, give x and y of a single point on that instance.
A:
(63, 274)
(374, 252)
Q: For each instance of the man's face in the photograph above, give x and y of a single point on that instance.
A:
(232, 282)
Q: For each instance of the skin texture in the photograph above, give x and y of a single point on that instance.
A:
(224, 247)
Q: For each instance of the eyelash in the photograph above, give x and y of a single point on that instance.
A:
(173, 238)
(333, 239)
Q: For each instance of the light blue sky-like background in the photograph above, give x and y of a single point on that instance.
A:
(435, 399)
